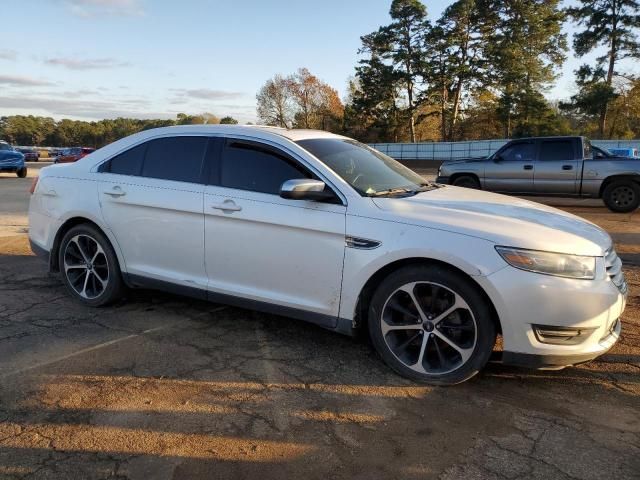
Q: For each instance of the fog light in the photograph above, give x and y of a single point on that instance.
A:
(561, 335)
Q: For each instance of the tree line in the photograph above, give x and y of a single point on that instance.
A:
(481, 70)
(37, 131)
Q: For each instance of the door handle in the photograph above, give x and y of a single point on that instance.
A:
(115, 192)
(567, 167)
(226, 206)
(528, 167)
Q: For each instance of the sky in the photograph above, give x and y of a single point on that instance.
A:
(94, 59)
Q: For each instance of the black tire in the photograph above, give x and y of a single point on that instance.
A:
(22, 173)
(622, 196)
(467, 181)
(104, 284)
(436, 340)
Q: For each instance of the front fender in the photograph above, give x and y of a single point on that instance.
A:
(474, 256)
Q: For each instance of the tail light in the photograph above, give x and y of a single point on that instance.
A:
(34, 184)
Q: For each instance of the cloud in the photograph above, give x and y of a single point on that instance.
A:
(97, 8)
(208, 94)
(8, 54)
(17, 81)
(92, 109)
(86, 63)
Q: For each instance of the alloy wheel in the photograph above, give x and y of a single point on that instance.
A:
(86, 266)
(429, 328)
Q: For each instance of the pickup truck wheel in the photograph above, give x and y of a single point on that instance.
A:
(22, 173)
(467, 181)
(431, 325)
(622, 196)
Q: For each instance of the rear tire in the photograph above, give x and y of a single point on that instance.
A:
(622, 196)
(467, 181)
(22, 173)
(89, 267)
(432, 325)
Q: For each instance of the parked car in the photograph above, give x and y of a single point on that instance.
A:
(11, 160)
(73, 154)
(320, 227)
(624, 152)
(30, 154)
(551, 166)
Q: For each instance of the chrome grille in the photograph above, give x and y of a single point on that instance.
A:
(613, 265)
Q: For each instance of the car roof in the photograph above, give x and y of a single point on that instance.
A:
(249, 130)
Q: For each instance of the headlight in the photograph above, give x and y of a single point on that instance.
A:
(548, 263)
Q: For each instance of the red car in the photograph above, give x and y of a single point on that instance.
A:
(74, 154)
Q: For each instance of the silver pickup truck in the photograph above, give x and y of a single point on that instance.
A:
(551, 166)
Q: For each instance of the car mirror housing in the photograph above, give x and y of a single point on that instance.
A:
(305, 189)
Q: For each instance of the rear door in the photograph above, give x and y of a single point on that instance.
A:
(512, 168)
(264, 248)
(557, 166)
(151, 198)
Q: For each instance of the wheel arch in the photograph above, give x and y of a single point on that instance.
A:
(625, 176)
(68, 225)
(369, 288)
(454, 176)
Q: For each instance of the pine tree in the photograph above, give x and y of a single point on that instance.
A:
(607, 23)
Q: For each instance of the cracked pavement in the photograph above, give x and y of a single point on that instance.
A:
(165, 387)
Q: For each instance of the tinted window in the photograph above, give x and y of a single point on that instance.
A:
(556, 150)
(519, 152)
(127, 163)
(257, 169)
(175, 158)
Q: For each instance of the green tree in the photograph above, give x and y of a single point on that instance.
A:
(612, 24)
(526, 50)
(228, 121)
(458, 64)
(401, 45)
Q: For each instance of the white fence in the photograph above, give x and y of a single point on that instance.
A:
(443, 151)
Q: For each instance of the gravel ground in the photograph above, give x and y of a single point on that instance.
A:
(165, 387)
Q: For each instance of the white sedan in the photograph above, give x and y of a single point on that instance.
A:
(322, 228)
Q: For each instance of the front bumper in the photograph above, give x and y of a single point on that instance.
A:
(552, 362)
(524, 300)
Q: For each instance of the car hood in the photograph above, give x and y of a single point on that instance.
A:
(501, 219)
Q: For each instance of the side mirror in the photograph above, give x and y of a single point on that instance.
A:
(497, 159)
(305, 189)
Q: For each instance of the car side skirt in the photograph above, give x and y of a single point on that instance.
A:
(329, 322)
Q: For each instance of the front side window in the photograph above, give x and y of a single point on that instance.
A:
(520, 152)
(556, 150)
(368, 171)
(246, 166)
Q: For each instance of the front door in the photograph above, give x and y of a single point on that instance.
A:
(512, 168)
(263, 248)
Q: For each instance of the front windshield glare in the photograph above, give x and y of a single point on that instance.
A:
(368, 171)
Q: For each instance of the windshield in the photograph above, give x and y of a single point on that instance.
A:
(5, 146)
(368, 171)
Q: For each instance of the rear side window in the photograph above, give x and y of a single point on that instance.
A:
(175, 158)
(556, 150)
(257, 169)
(127, 163)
